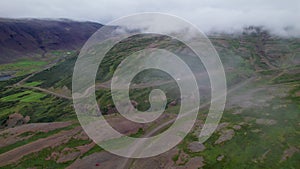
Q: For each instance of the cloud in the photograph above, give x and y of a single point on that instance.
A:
(280, 17)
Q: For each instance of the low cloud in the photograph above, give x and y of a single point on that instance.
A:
(280, 17)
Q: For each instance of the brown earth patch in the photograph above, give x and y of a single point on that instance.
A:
(182, 159)
(81, 136)
(196, 146)
(220, 157)
(222, 126)
(12, 135)
(158, 162)
(16, 154)
(236, 127)
(103, 160)
(288, 153)
(194, 163)
(68, 154)
(16, 119)
(225, 136)
(85, 148)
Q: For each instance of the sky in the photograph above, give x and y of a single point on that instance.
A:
(281, 17)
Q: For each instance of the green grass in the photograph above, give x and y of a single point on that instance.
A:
(29, 133)
(57, 76)
(240, 151)
(175, 157)
(288, 78)
(33, 84)
(75, 142)
(93, 150)
(138, 134)
(23, 67)
(35, 137)
(37, 160)
(15, 97)
(246, 147)
(39, 106)
(26, 96)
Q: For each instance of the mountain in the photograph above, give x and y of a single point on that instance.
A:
(26, 37)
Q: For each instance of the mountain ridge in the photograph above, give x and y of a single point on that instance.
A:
(26, 37)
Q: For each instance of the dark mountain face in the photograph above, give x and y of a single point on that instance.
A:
(21, 38)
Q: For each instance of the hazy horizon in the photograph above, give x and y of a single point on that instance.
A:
(281, 18)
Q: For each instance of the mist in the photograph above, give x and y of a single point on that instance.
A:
(230, 16)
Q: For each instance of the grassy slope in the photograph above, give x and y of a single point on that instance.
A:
(241, 151)
(262, 149)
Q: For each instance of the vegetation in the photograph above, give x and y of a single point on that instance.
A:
(23, 67)
(34, 137)
(39, 106)
(32, 84)
(273, 96)
(26, 96)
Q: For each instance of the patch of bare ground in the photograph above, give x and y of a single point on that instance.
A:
(85, 148)
(194, 163)
(267, 122)
(16, 119)
(16, 154)
(13, 156)
(220, 157)
(12, 135)
(288, 153)
(103, 160)
(70, 154)
(64, 91)
(125, 126)
(221, 126)
(196, 147)
(256, 131)
(225, 136)
(182, 159)
(161, 161)
(236, 127)
(198, 127)
(81, 136)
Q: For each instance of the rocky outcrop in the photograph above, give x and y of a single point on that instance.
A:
(196, 147)
(16, 119)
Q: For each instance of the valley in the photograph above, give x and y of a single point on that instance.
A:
(260, 126)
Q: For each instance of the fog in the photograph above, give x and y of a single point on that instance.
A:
(280, 17)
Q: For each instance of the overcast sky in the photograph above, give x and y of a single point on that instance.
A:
(208, 15)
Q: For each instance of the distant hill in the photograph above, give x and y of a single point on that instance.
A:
(242, 55)
(25, 37)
